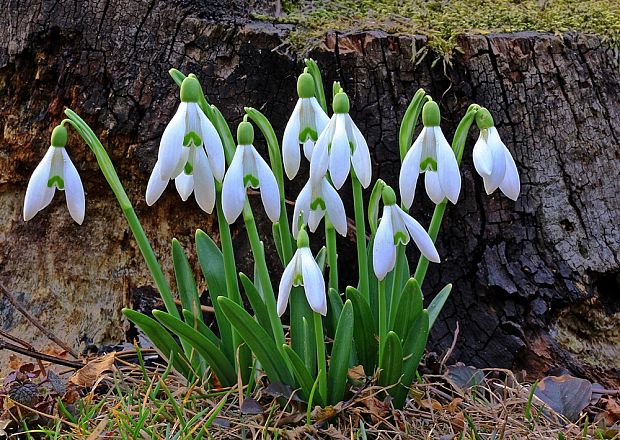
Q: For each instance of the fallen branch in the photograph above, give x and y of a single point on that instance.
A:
(4, 345)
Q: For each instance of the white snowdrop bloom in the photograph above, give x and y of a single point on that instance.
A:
(396, 226)
(303, 270)
(432, 155)
(339, 146)
(247, 169)
(492, 159)
(314, 201)
(55, 171)
(306, 123)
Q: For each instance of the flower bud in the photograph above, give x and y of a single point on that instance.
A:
(59, 136)
(341, 103)
(431, 117)
(245, 133)
(305, 85)
(190, 90)
(484, 120)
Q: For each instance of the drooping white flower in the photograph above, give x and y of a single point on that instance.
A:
(190, 152)
(249, 169)
(306, 123)
(492, 159)
(303, 270)
(396, 226)
(339, 146)
(432, 155)
(55, 171)
(314, 201)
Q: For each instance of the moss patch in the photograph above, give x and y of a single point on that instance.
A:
(443, 21)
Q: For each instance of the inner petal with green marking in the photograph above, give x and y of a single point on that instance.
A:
(250, 180)
(56, 181)
(400, 237)
(307, 133)
(298, 280)
(188, 168)
(191, 138)
(318, 203)
(428, 164)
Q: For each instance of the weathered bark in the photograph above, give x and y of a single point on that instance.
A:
(536, 281)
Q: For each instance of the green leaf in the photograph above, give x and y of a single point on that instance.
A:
(313, 69)
(218, 362)
(363, 331)
(409, 308)
(185, 281)
(341, 352)
(434, 308)
(392, 365)
(334, 308)
(257, 303)
(201, 327)
(373, 286)
(413, 350)
(261, 344)
(373, 205)
(177, 76)
(211, 262)
(163, 341)
(409, 122)
(302, 375)
(277, 239)
(400, 276)
(321, 258)
(222, 128)
(309, 353)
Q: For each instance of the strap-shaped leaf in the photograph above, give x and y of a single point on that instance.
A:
(212, 264)
(341, 353)
(321, 258)
(302, 375)
(434, 308)
(163, 341)
(261, 344)
(257, 303)
(409, 308)
(392, 362)
(363, 331)
(185, 281)
(334, 308)
(409, 122)
(201, 327)
(373, 205)
(314, 70)
(413, 349)
(214, 357)
(277, 239)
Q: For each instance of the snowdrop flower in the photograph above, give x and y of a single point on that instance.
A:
(190, 152)
(492, 159)
(396, 226)
(314, 201)
(304, 126)
(247, 169)
(432, 155)
(55, 171)
(303, 270)
(340, 145)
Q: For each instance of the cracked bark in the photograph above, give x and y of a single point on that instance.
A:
(536, 281)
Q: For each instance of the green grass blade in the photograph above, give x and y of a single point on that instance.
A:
(434, 308)
(257, 303)
(185, 281)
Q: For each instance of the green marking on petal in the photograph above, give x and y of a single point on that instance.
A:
(400, 237)
(308, 132)
(318, 203)
(351, 146)
(298, 280)
(191, 137)
(188, 168)
(250, 180)
(56, 180)
(428, 164)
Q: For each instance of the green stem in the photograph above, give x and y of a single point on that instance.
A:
(458, 146)
(360, 233)
(395, 291)
(332, 254)
(382, 319)
(320, 354)
(107, 168)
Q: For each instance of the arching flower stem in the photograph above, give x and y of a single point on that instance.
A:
(332, 253)
(360, 235)
(382, 318)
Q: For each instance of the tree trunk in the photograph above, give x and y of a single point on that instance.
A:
(536, 282)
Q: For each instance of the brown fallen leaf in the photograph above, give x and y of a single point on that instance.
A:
(458, 422)
(453, 406)
(611, 411)
(89, 373)
(566, 395)
(357, 374)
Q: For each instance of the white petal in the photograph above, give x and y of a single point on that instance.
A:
(320, 156)
(171, 145)
(384, 251)
(340, 154)
(269, 190)
(213, 145)
(184, 184)
(308, 147)
(156, 186)
(511, 185)
(420, 237)
(447, 168)
(286, 283)
(38, 194)
(483, 158)
(204, 186)
(410, 170)
(233, 189)
(314, 284)
(302, 205)
(497, 148)
(335, 208)
(74, 191)
(290, 144)
(433, 187)
(320, 117)
(361, 156)
(314, 218)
